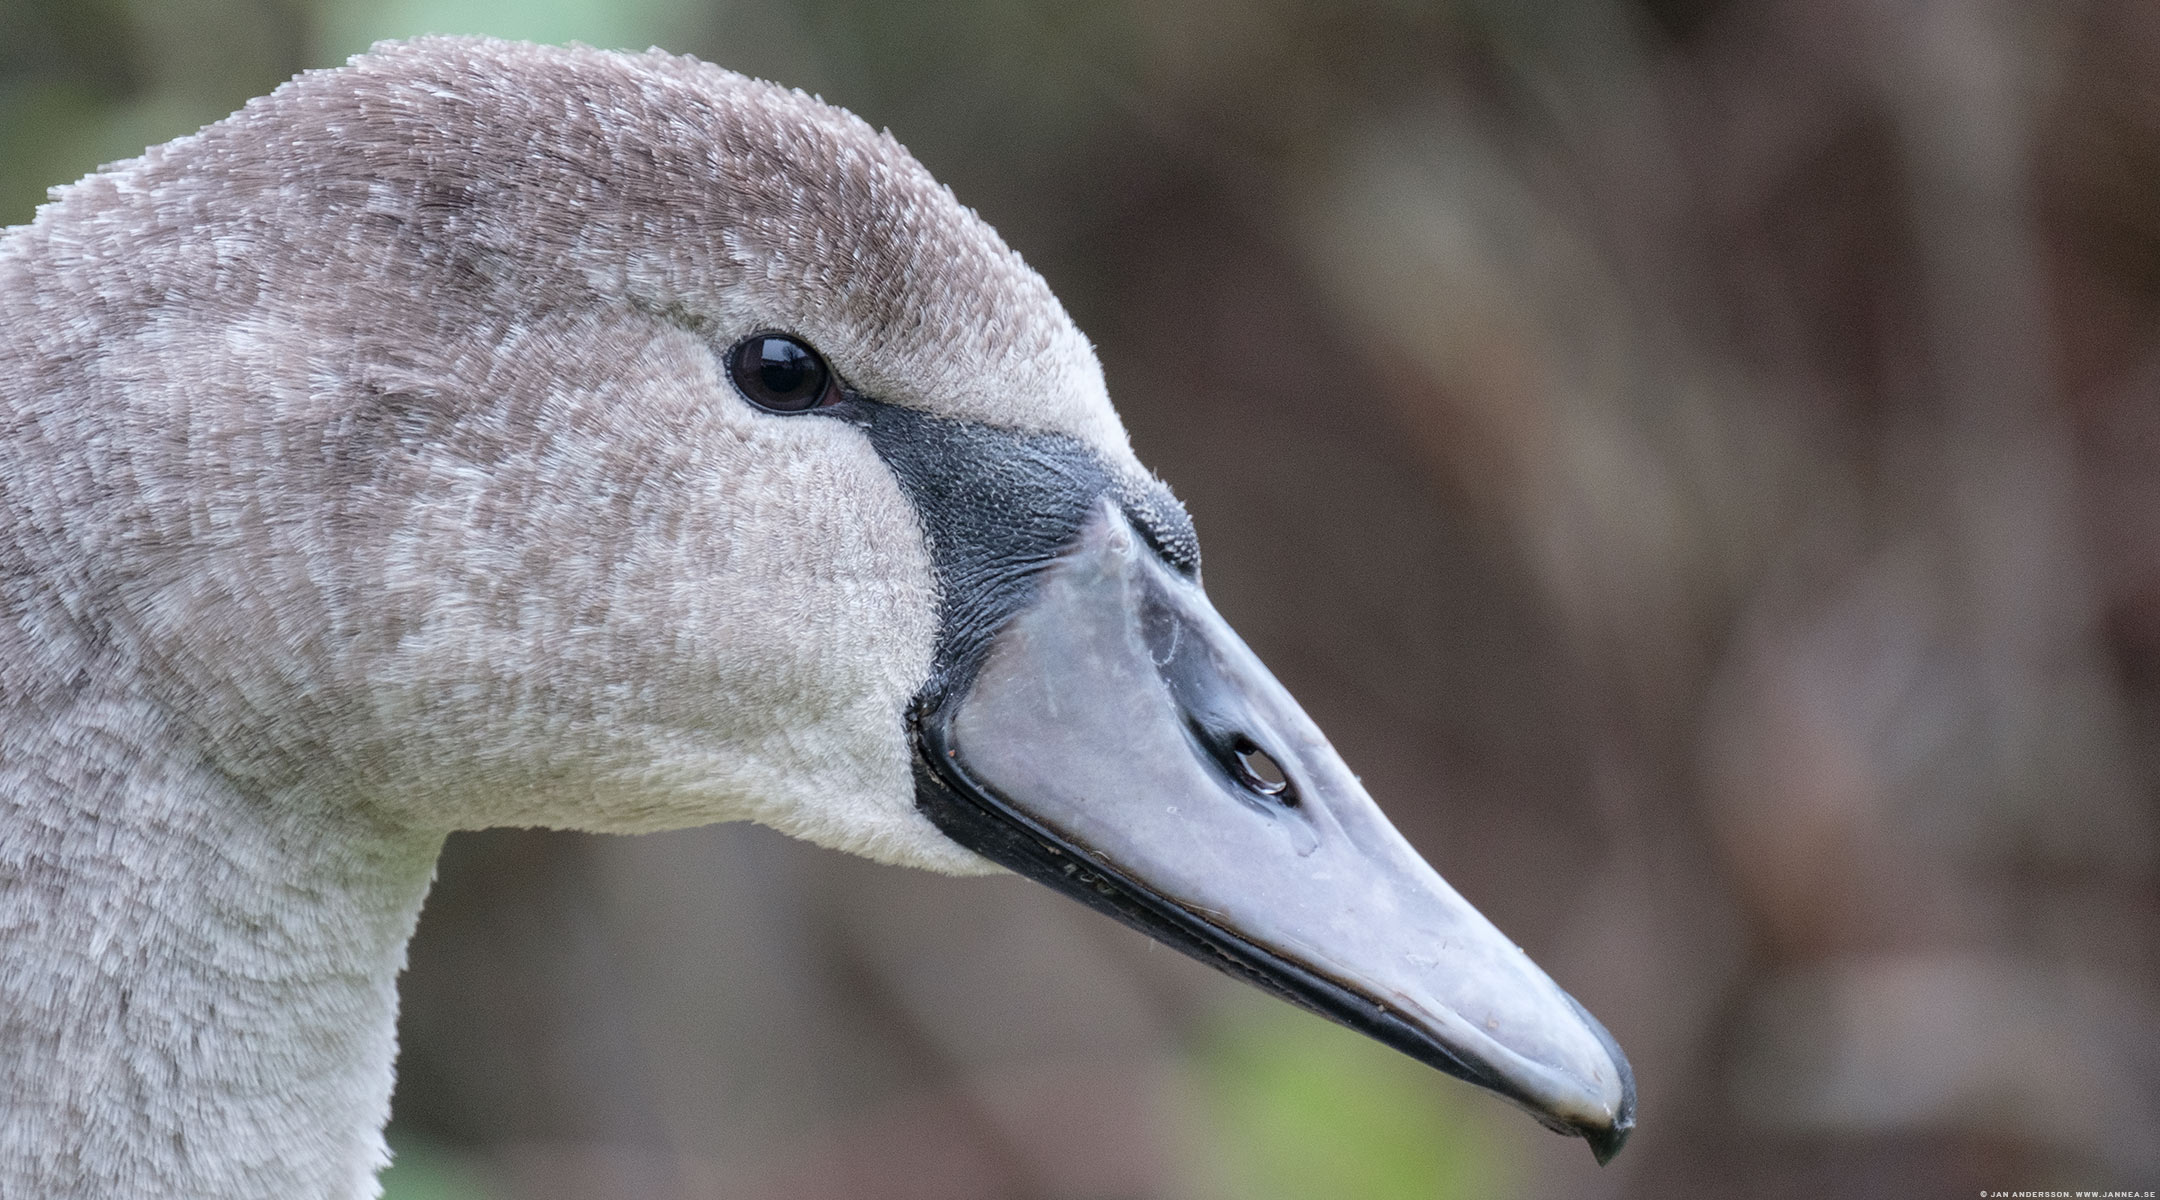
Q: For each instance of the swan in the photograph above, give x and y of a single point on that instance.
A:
(488, 434)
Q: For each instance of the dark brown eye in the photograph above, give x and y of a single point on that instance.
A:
(777, 372)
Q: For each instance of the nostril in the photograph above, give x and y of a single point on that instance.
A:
(1258, 770)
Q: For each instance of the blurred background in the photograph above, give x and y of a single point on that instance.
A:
(1695, 457)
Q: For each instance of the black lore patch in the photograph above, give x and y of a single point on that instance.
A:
(998, 506)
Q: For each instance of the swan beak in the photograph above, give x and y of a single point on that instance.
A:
(1120, 743)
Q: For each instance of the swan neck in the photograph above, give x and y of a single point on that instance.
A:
(197, 985)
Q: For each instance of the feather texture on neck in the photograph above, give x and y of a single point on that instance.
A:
(197, 986)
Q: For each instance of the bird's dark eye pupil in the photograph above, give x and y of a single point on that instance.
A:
(782, 366)
(780, 373)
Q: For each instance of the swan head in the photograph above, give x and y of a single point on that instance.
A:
(538, 436)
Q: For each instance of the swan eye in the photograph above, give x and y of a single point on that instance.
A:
(780, 374)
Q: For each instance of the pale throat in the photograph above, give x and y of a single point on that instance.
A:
(202, 982)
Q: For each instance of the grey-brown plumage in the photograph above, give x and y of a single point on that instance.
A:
(367, 471)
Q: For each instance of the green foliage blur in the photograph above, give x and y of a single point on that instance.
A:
(87, 82)
(421, 1172)
(1304, 1110)
(1284, 1107)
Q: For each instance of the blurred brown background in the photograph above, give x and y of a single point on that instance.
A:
(1696, 458)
